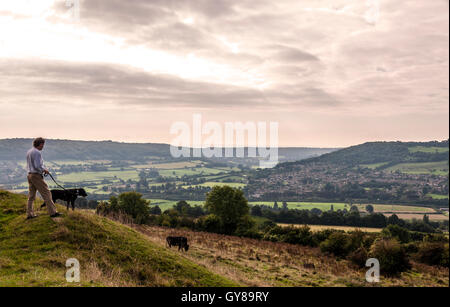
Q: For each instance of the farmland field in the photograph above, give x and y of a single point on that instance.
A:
(410, 216)
(96, 176)
(344, 228)
(305, 205)
(428, 149)
(373, 166)
(434, 168)
(231, 184)
(190, 172)
(437, 196)
(397, 208)
(341, 206)
(174, 165)
(167, 204)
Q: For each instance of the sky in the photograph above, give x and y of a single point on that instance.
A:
(332, 73)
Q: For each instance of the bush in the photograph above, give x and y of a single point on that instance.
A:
(266, 226)
(445, 260)
(356, 240)
(293, 235)
(210, 223)
(298, 235)
(391, 255)
(129, 204)
(411, 248)
(359, 257)
(433, 253)
(246, 227)
(397, 232)
(338, 244)
(322, 235)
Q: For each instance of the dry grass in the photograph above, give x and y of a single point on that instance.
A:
(344, 228)
(261, 263)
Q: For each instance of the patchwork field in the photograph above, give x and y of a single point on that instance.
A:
(411, 216)
(434, 168)
(344, 228)
(373, 166)
(98, 176)
(402, 211)
(437, 196)
(428, 149)
(397, 208)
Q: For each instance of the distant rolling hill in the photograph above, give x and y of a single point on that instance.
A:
(15, 150)
(383, 172)
(383, 155)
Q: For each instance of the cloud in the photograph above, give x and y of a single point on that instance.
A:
(323, 56)
(87, 83)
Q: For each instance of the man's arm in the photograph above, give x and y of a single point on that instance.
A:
(38, 162)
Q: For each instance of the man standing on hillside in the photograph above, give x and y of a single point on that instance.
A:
(36, 182)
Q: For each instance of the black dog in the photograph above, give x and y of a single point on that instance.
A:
(181, 242)
(69, 196)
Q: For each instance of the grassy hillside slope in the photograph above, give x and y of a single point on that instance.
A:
(34, 252)
(384, 154)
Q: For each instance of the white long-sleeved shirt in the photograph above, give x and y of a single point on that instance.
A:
(35, 163)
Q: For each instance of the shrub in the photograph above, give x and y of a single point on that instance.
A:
(411, 248)
(299, 235)
(445, 260)
(293, 235)
(397, 232)
(391, 255)
(156, 210)
(322, 235)
(433, 253)
(210, 223)
(246, 227)
(266, 226)
(435, 238)
(338, 244)
(130, 204)
(356, 240)
(359, 257)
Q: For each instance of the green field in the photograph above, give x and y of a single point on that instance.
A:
(190, 172)
(373, 166)
(168, 204)
(434, 168)
(213, 184)
(397, 208)
(98, 176)
(305, 205)
(437, 196)
(174, 165)
(428, 149)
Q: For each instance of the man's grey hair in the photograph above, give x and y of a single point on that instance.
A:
(38, 141)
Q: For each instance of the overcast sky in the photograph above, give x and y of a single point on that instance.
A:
(331, 72)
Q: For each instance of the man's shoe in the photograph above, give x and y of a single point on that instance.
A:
(56, 214)
(31, 217)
